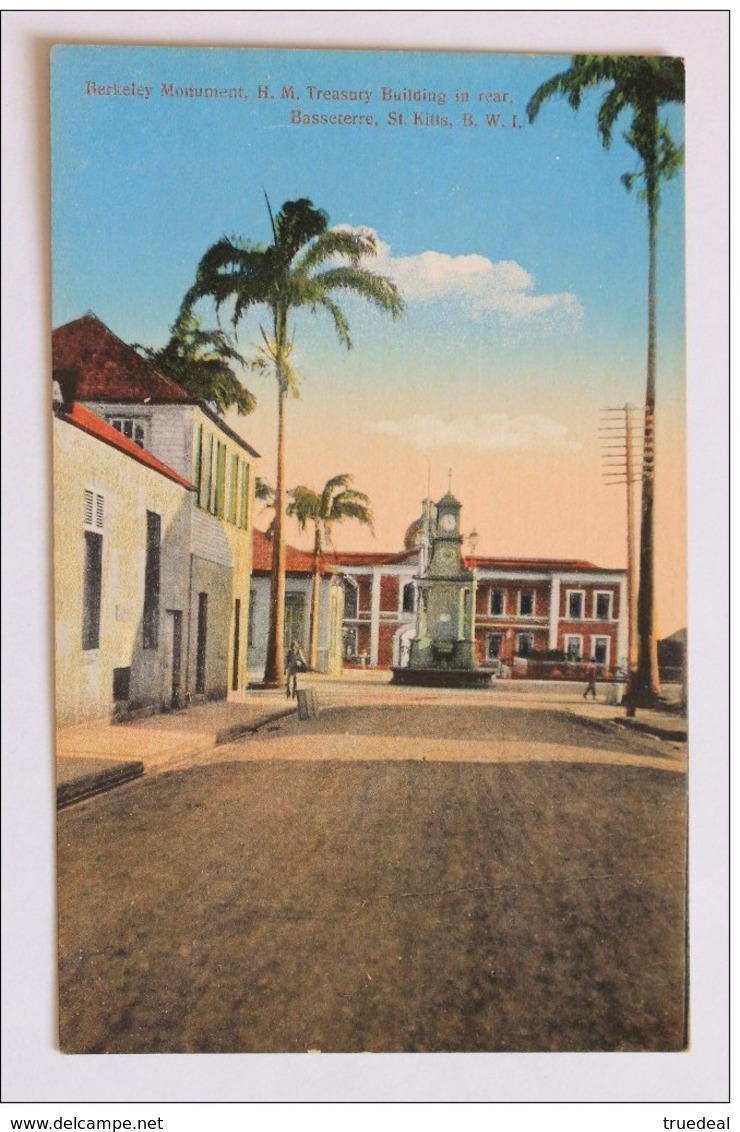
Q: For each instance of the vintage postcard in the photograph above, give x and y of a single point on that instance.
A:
(368, 421)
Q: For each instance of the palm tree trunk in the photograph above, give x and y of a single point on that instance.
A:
(313, 642)
(647, 683)
(275, 663)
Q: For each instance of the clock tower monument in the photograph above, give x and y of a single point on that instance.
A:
(443, 650)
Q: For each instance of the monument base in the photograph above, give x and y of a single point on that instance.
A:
(443, 677)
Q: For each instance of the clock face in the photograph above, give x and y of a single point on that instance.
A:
(447, 522)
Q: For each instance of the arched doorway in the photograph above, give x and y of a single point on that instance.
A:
(402, 639)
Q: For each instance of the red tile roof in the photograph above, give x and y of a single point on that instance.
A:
(91, 423)
(296, 561)
(369, 558)
(108, 369)
(533, 563)
(301, 561)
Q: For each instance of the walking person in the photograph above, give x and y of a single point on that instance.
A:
(294, 663)
(591, 672)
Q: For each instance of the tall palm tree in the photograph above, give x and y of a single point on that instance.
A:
(639, 85)
(336, 502)
(305, 266)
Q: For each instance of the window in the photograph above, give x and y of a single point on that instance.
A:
(603, 606)
(408, 598)
(575, 605)
(350, 599)
(526, 603)
(497, 603)
(295, 616)
(250, 621)
(600, 649)
(92, 590)
(524, 644)
(152, 580)
(132, 427)
(233, 488)
(92, 585)
(199, 465)
(494, 645)
(244, 501)
(349, 642)
(573, 648)
(219, 495)
(207, 471)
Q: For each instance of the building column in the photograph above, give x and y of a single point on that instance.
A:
(374, 617)
(623, 625)
(554, 612)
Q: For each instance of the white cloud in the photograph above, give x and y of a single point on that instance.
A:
(477, 284)
(484, 432)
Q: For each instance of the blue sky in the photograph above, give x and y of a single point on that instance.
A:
(522, 258)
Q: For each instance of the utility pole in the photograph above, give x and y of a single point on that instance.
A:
(622, 445)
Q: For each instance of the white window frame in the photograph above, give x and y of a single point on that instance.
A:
(566, 641)
(608, 641)
(519, 596)
(609, 594)
(142, 422)
(575, 593)
(491, 592)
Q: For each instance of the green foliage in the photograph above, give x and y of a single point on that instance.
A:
(302, 268)
(202, 362)
(264, 491)
(336, 502)
(637, 84)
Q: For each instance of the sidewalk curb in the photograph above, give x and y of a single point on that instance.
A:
(231, 734)
(97, 782)
(671, 736)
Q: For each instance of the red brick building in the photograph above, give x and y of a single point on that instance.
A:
(541, 618)
(531, 614)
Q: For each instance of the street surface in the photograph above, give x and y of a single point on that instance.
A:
(412, 870)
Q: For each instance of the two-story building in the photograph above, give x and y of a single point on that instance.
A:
(533, 616)
(97, 369)
(121, 538)
(535, 608)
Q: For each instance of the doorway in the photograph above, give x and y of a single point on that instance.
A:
(176, 697)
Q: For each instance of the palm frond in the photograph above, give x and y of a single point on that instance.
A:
(377, 289)
(351, 505)
(263, 490)
(304, 506)
(331, 487)
(339, 318)
(353, 245)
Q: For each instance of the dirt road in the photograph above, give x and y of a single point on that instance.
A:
(397, 904)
